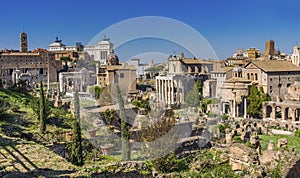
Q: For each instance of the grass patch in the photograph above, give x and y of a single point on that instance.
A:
(292, 141)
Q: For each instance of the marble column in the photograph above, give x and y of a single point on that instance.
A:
(172, 92)
(162, 90)
(61, 83)
(169, 92)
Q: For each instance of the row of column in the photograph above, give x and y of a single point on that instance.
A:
(165, 90)
(235, 107)
(295, 112)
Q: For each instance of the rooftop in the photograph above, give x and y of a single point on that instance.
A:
(275, 66)
(222, 70)
(195, 61)
(20, 54)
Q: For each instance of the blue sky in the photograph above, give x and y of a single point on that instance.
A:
(226, 25)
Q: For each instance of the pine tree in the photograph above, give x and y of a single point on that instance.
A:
(42, 116)
(76, 147)
(124, 127)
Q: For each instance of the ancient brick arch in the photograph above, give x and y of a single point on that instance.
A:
(287, 110)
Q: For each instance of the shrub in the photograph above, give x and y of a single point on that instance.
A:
(297, 133)
(14, 108)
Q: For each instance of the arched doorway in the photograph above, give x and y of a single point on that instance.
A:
(268, 111)
(286, 114)
(278, 112)
(297, 114)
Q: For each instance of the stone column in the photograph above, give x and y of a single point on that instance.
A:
(234, 104)
(157, 89)
(283, 113)
(264, 110)
(169, 92)
(172, 92)
(245, 107)
(162, 90)
(61, 83)
(293, 115)
(273, 113)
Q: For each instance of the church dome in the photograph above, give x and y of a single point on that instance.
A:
(105, 41)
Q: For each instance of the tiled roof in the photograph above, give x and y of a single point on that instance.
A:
(237, 80)
(20, 54)
(275, 66)
(222, 70)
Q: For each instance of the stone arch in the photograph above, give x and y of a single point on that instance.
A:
(297, 114)
(278, 112)
(268, 111)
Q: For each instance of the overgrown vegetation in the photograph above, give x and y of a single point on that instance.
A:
(142, 104)
(42, 109)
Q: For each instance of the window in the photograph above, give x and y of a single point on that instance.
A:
(256, 77)
(288, 85)
(121, 75)
(248, 76)
(280, 85)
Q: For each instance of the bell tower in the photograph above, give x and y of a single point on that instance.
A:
(23, 43)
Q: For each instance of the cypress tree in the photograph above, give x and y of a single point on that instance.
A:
(76, 106)
(42, 115)
(124, 127)
(76, 148)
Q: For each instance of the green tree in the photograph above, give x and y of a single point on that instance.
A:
(124, 127)
(193, 97)
(35, 106)
(256, 99)
(43, 115)
(76, 147)
(200, 88)
(76, 106)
